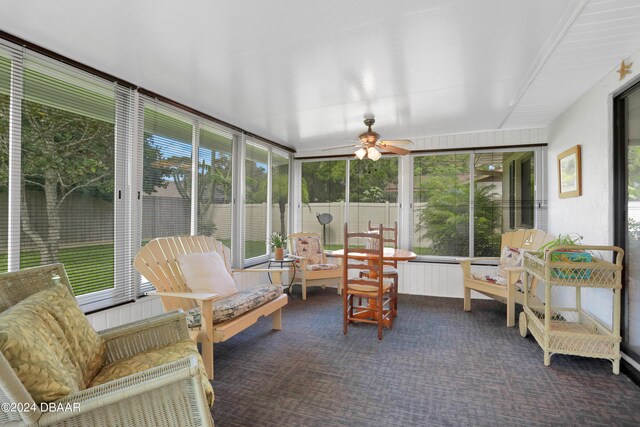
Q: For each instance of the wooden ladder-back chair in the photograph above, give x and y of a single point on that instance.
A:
(372, 286)
(157, 262)
(311, 265)
(513, 243)
(390, 239)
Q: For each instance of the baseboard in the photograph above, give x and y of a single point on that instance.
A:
(627, 367)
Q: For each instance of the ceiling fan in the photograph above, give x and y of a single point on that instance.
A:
(371, 144)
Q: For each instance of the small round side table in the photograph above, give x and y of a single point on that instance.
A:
(282, 262)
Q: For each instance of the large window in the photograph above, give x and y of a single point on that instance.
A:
(215, 179)
(373, 193)
(166, 179)
(5, 73)
(68, 172)
(441, 205)
(460, 202)
(503, 197)
(279, 193)
(445, 210)
(256, 181)
(323, 191)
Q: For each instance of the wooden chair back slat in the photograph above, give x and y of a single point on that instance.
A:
(393, 231)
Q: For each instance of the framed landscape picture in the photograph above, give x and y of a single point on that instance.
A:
(570, 173)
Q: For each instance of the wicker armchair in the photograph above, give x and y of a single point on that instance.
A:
(167, 395)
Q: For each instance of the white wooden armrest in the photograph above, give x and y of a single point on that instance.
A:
(186, 295)
(262, 270)
(297, 257)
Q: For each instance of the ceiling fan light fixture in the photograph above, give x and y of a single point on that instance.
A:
(361, 153)
(373, 154)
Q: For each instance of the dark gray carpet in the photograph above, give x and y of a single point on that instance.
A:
(438, 366)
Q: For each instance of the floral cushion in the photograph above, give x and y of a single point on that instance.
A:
(234, 305)
(50, 344)
(510, 258)
(317, 267)
(310, 248)
(151, 359)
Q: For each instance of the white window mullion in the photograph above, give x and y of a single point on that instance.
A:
(269, 200)
(295, 195)
(471, 203)
(540, 190)
(238, 221)
(15, 160)
(346, 193)
(124, 287)
(136, 169)
(405, 202)
(195, 159)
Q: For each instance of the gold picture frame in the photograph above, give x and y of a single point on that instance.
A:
(570, 173)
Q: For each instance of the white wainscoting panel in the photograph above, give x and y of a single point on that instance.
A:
(416, 278)
(438, 280)
(116, 316)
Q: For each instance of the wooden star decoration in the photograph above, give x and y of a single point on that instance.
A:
(624, 69)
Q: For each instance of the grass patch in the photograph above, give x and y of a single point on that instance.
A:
(90, 268)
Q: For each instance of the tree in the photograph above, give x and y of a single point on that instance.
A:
(444, 220)
(370, 181)
(323, 178)
(62, 153)
(214, 183)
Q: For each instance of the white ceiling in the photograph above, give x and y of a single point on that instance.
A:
(303, 73)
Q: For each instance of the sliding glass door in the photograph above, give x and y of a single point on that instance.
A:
(627, 212)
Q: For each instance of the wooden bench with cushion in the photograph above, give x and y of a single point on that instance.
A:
(506, 285)
(212, 317)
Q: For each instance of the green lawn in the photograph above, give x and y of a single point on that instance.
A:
(90, 268)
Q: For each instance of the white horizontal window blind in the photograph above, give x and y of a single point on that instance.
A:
(256, 184)
(6, 60)
(166, 172)
(68, 173)
(215, 179)
(279, 192)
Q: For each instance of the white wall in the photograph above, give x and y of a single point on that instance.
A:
(588, 122)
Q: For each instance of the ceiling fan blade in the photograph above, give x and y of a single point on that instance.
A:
(394, 149)
(397, 142)
(342, 146)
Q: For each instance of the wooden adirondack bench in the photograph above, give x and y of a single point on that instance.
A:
(157, 261)
(530, 240)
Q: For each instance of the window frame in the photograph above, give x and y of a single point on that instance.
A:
(406, 185)
(539, 157)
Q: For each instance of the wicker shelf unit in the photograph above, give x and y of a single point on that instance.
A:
(572, 330)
